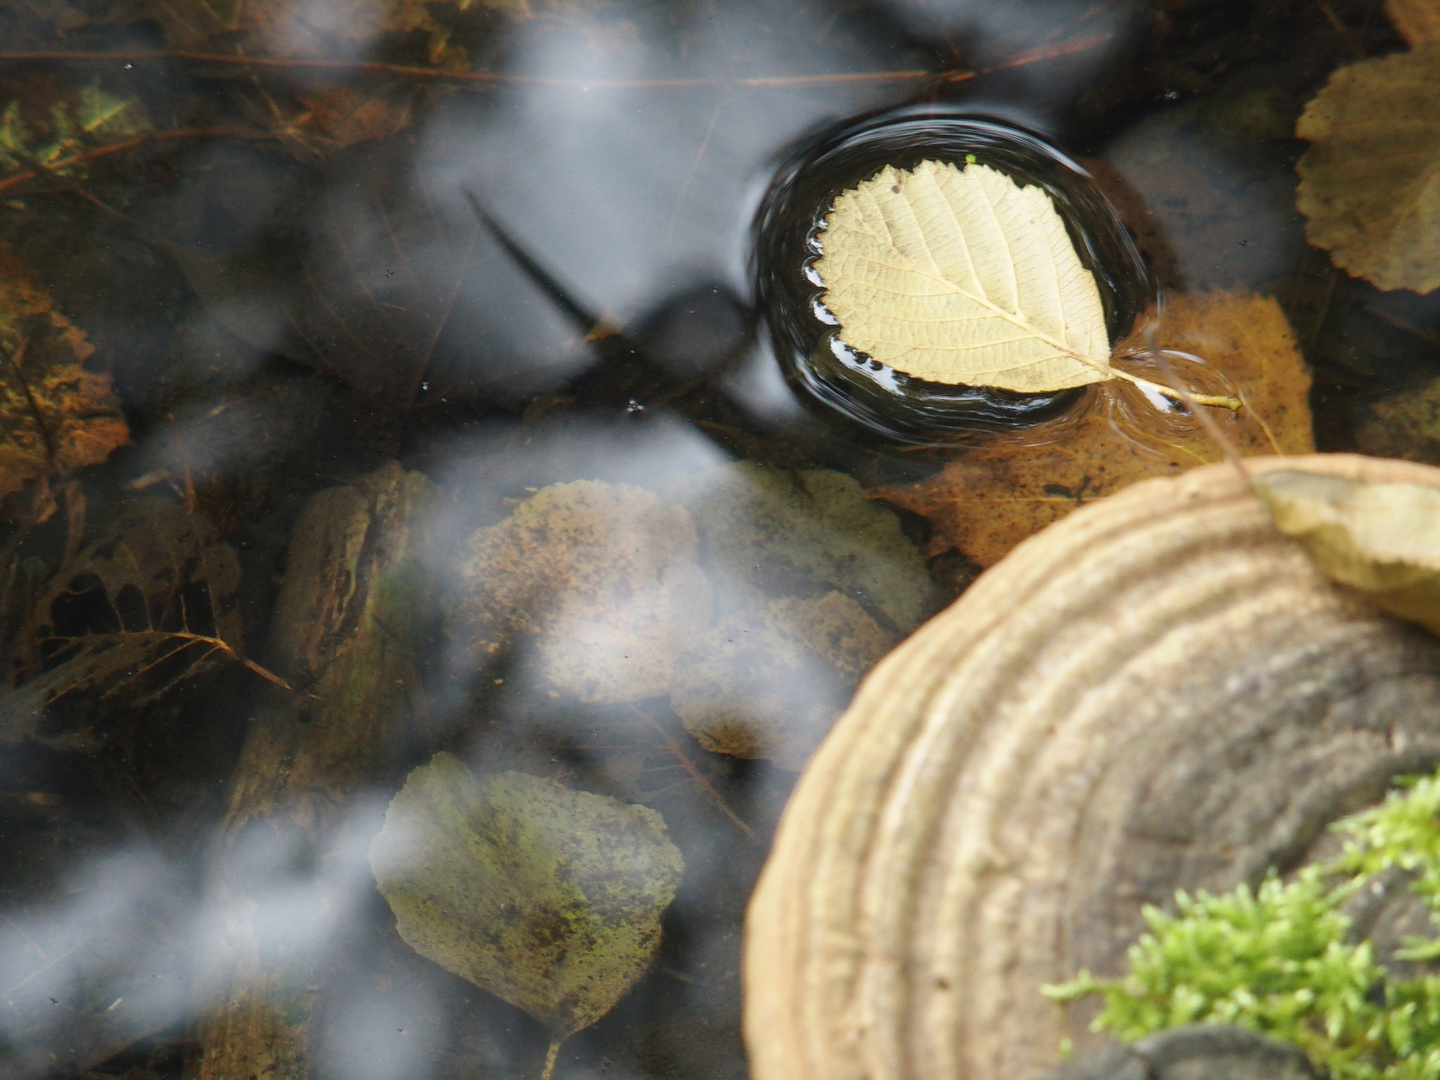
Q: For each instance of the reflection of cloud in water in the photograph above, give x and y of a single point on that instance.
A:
(760, 389)
(500, 462)
(751, 599)
(372, 1035)
(100, 966)
(634, 191)
(512, 462)
(277, 897)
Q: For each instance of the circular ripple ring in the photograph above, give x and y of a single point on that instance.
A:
(1160, 692)
(871, 400)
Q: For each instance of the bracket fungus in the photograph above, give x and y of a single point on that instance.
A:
(1160, 692)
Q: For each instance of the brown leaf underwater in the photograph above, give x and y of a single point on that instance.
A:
(1417, 20)
(55, 414)
(1370, 181)
(345, 115)
(285, 28)
(992, 497)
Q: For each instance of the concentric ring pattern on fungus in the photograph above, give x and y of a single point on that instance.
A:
(1159, 692)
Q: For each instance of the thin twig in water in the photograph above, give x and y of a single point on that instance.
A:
(187, 639)
(128, 144)
(1030, 56)
(1196, 410)
(694, 168)
(700, 781)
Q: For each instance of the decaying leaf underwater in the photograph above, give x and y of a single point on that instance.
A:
(742, 609)
(989, 499)
(120, 623)
(1368, 183)
(546, 897)
(57, 413)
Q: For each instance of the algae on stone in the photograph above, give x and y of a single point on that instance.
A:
(546, 897)
(755, 599)
(813, 585)
(771, 679)
(596, 584)
(773, 531)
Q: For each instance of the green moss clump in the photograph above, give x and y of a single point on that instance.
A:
(1280, 960)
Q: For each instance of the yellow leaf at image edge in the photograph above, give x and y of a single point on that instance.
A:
(962, 276)
(1370, 181)
(1383, 539)
(548, 898)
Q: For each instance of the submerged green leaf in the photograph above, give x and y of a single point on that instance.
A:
(1370, 182)
(74, 124)
(548, 898)
(1383, 539)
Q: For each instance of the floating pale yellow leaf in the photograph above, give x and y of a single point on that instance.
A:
(1370, 182)
(1417, 20)
(962, 276)
(1383, 539)
(548, 898)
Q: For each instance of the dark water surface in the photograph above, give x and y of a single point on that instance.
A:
(443, 419)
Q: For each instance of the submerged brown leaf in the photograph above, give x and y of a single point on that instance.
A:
(992, 497)
(1403, 425)
(1383, 539)
(129, 616)
(346, 115)
(546, 897)
(1417, 20)
(287, 29)
(1370, 182)
(55, 413)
